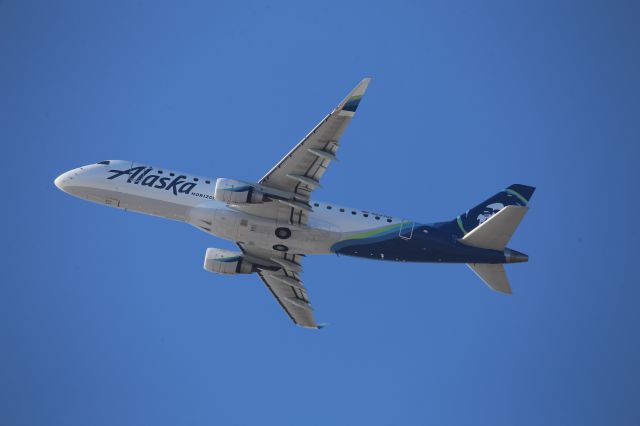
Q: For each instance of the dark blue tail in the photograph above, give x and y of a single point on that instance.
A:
(515, 195)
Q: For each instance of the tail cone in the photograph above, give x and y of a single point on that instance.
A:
(513, 256)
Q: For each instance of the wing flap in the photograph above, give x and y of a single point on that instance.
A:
(292, 296)
(284, 284)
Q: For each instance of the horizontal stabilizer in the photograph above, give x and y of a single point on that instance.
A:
(493, 276)
(495, 232)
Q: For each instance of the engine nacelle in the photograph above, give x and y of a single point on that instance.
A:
(223, 261)
(232, 191)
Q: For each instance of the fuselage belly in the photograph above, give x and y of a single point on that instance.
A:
(329, 229)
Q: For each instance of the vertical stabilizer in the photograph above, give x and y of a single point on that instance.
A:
(493, 276)
(514, 195)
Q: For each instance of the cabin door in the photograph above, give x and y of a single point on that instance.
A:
(406, 230)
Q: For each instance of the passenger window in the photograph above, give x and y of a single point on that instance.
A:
(365, 215)
(171, 174)
(377, 217)
(353, 212)
(329, 207)
(195, 179)
(159, 172)
(389, 220)
(342, 210)
(316, 205)
(207, 182)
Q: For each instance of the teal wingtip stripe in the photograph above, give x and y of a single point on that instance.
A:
(460, 225)
(511, 191)
(352, 103)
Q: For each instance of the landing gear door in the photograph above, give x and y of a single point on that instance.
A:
(406, 230)
(287, 216)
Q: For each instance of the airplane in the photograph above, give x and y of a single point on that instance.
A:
(275, 223)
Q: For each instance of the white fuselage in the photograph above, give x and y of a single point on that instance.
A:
(189, 198)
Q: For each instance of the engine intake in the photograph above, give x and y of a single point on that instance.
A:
(232, 191)
(227, 262)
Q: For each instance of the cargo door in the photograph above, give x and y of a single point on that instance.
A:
(113, 202)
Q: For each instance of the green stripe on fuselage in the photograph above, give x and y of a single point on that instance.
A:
(373, 232)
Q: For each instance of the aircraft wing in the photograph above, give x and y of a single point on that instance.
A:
(299, 172)
(285, 283)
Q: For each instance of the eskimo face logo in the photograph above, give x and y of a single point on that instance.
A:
(142, 175)
(489, 211)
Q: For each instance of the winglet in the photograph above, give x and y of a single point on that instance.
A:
(349, 104)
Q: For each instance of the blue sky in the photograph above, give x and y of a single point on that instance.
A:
(107, 317)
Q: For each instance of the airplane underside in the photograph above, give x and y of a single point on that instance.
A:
(274, 223)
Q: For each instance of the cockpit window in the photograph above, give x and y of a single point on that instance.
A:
(105, 162)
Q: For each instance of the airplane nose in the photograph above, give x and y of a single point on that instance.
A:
(59, 182)
(63, 180)
(73, 182)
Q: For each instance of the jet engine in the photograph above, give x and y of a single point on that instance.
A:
(229, 262)
(232, 191)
